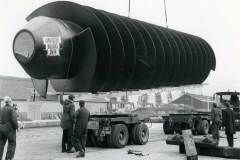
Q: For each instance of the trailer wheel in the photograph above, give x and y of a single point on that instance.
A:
(94, 141)
(109, 141)
(89, 143)
(203, 127)
(132, 134)
(102, 143)
(167, 129)
(177, 128)
(142, 134)
(119, 136)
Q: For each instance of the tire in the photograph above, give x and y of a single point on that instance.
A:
(185, 126)
(203, 127)
(102, 143)
(177, 128)
(167, 127)
(109, 141)
(96, 142)
(142, 134)
(89, 143)
(119, 136)
(132, 134)
(93, 139)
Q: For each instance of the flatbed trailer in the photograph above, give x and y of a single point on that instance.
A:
(117, 130)
(198, 122)
(111, 124)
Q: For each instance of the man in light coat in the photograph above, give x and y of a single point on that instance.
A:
(216, 121)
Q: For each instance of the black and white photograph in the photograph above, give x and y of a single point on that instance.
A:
(119, 80)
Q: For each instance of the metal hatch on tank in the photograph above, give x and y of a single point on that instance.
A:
(106, 52)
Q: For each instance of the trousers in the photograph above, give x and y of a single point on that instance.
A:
(215, 131)
(11, 138)
(230, 140)
(67, 139)
(80, 142)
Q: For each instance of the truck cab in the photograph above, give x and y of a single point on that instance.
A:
(232, 98)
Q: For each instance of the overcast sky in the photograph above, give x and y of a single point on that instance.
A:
(217, 21)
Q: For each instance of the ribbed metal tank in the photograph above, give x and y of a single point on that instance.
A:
(132, 54)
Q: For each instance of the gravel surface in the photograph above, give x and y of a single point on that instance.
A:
(45, 144)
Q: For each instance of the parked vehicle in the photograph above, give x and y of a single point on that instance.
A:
(114, 125)
(233, 99)
(199, 122)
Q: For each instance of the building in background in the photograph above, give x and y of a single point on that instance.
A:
(197, 102)
(33, 107)
(30, 105)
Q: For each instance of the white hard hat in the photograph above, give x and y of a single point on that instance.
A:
(7, 100)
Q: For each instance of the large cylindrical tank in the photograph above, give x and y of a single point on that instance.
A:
(82, 49)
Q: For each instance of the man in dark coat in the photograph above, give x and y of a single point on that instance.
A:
(8, 127)
(216, 120)
(228, 122)
(67, 122)
(80, 132)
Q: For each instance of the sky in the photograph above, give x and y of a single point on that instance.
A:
(216, 21)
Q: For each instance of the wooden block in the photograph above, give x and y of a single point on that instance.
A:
(189, 143)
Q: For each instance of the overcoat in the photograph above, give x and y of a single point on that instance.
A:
(67, 119)
(82, 117)
(228, 121)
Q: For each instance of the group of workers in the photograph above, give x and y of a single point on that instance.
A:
(74, 125)
(226, 117)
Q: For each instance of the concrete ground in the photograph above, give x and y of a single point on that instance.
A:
(45, 144)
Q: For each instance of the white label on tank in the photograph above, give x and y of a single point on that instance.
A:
(52, 45)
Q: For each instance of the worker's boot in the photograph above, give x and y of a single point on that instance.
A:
(81, 154)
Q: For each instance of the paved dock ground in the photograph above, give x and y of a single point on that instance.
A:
(45, 144)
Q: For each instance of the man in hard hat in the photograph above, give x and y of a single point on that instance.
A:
(80, 131)
(228, 122)
(8, 127)
(67, 122)
(216, 115)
